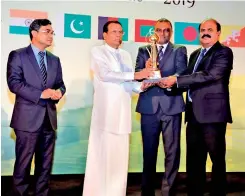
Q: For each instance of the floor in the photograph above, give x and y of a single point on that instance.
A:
(71, 185)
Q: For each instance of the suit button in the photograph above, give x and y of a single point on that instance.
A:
(158, 91)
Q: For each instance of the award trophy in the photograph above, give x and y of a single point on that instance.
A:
(153, 38)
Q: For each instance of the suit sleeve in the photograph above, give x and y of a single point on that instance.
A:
(104, 73)
(140, 60)
(221, 66)
(16, 81)
(181, 60)
(188, 70)
(180, 66)
(59, 84)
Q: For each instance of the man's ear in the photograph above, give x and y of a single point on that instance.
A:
(219, 32)
(34, 33)
(104, 35)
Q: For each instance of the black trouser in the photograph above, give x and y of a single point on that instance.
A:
(41, 143)
(203, 138)
(152, 126)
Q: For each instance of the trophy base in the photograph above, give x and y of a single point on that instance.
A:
(157, 75)
(154, 79)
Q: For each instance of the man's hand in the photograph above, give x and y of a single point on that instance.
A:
(167, 82)
(161, 83)
(57, 95)
(47, 93)
(146, 85)
(145, 73)
(148, 63)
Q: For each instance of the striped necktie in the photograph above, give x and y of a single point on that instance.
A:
(160, 53)
(42, 67)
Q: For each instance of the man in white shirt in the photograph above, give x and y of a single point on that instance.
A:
(108, 149)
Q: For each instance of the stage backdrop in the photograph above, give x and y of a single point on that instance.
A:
(78, 29)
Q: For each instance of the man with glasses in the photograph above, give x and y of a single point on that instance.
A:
(34, 75)
(160, 110)
(108, 149)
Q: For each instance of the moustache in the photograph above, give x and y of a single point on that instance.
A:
(206, 35)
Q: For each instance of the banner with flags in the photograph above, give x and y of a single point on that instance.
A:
(142, 28)
(102, 20)
(20, 20)
(186, 33)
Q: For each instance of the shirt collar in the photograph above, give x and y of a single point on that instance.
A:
(114, 50)
(206, 49)
(164, 46)
(36, 50)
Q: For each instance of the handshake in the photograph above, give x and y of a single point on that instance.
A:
(51, 94)
(166, 82)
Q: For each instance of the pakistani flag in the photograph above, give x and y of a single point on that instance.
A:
(77, 26)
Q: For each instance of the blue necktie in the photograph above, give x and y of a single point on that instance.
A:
(195, 68)
(42, 67)
(199, 59)
(160, 53)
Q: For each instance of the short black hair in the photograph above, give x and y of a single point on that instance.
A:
(211, 19)
(105, 27)
(165, 20)
(36, 25)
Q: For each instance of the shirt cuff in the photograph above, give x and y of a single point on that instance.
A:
(137, 87)
(129, 76)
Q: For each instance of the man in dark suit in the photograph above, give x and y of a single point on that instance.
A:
(34, 75)
(161, 110)
(208, 109)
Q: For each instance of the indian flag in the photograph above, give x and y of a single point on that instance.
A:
(20, 20)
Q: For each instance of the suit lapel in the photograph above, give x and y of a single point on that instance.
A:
(34, 63)
(201, 63)
(50, 70)
(194, 60)
(207, 56)
(166, 54)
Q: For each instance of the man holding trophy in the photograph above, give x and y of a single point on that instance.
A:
(160, 108)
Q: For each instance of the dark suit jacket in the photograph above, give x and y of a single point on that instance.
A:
(173, 62)
(25, 81)
(209, 85)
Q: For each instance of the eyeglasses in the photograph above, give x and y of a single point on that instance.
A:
(116, 32)
(167, 30)
(47, 31)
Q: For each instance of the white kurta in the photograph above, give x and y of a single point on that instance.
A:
(108, 149)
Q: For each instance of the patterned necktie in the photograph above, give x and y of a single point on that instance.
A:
(196, 66)
(160, 53)
(42, 67)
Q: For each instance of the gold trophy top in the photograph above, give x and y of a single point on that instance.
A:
(153, 39)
